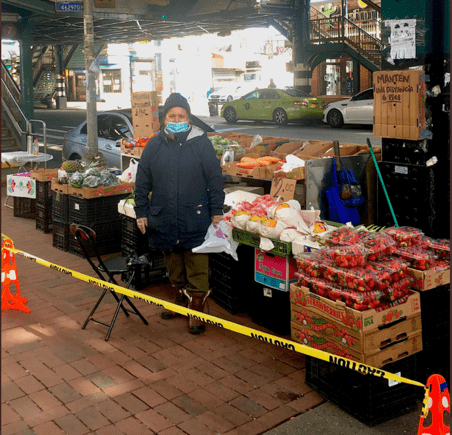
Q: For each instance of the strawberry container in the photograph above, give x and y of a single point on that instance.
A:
(405, 236)
(425, 242)
(313, 263)
(348, 256)
(360, 301)
(440, 265)
(378, 244)
(397, 291)
(441, 248)
(337, 236)
(398, 266)
(420, 259)
(386, 305)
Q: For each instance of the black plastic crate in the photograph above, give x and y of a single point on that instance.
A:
(60, 207)
(94, 210)
(24, 207)
(60, 235)
(230, 280)
(132, 239)
(413, 152)
(43, 192)
(147, 274)
(44, 217)
(270, 308)
(367, 398)
(108, 239)
(417, 195)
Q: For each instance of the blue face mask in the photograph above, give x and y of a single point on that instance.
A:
(177, 127)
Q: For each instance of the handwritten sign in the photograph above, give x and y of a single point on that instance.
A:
(283, 188)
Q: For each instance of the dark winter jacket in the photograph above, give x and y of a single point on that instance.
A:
(185, 179)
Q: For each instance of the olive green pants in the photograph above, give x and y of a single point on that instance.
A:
(188, 270)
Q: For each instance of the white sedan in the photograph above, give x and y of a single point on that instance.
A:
(356, 110)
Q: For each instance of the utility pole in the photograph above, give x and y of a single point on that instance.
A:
(90, 69)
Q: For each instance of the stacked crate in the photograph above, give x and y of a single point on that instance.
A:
(60, 220)
(418, 187)
(24, 207)
(43, 209)
(435, 356)
(101, 215)
(135, 244)
(231, 281)
(370, 399)
(374, 337)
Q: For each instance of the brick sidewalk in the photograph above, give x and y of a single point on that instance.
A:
(59, 379)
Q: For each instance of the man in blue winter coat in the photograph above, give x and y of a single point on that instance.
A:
(181, 169)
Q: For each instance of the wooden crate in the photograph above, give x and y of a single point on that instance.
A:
(399, 104)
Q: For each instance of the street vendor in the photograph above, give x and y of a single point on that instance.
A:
(181, 169)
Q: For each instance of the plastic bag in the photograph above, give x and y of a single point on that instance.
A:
(129, 175)
(256, 140)
(218, 239)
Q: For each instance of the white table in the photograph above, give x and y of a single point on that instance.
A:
(22, 158)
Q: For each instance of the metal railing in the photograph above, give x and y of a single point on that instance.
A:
(11, 106)
(340, 29)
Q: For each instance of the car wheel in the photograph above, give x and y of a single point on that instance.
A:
(229, 98)
(230, 115)
(280, 116)
(74, 157)
(335, 119)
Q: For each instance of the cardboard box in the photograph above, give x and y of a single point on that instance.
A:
(399, 104)
(136, 152)
(126, 209)
(42, 174)
(428, 279)
(96, 192)
(21, 185)
(57, 187)
(296, 174)
(314, 148)
(375, 339)
(274, 271)
(258, 172)
(145, 113)
(361, 321)
(377, 359)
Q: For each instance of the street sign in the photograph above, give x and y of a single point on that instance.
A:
(67, 6)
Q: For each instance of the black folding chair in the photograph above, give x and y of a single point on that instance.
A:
(112, 266)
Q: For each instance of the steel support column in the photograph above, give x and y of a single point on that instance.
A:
(61, 99)
(26, 76)
(302, 69)
(90, 65)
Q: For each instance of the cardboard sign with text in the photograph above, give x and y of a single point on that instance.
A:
(145, 114)
(283, 188)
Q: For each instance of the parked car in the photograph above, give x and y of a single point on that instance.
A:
(274, 105)
(112, 127)
(356, 110)
(229, 92)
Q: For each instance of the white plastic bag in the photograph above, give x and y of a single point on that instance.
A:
(129, 175)
(218, 239)
(256, 140)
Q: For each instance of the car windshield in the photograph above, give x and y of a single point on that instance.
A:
(298, 93)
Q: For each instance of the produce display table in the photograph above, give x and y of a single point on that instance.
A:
(22, 158)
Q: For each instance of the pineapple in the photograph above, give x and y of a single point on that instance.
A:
(71, 166)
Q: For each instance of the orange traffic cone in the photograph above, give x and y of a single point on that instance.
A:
(9, 275)
(438, 402)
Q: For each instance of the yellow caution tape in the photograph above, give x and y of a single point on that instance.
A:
(221, 323)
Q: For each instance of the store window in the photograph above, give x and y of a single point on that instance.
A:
(111, 81)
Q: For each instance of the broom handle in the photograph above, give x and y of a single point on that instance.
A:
(337, 155)
(382, 183)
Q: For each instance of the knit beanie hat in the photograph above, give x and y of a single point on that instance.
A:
(176, 100)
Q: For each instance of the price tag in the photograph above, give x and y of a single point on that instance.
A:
(283, 187)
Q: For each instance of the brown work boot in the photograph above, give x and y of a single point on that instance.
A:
(181, 300)
(196, 302)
